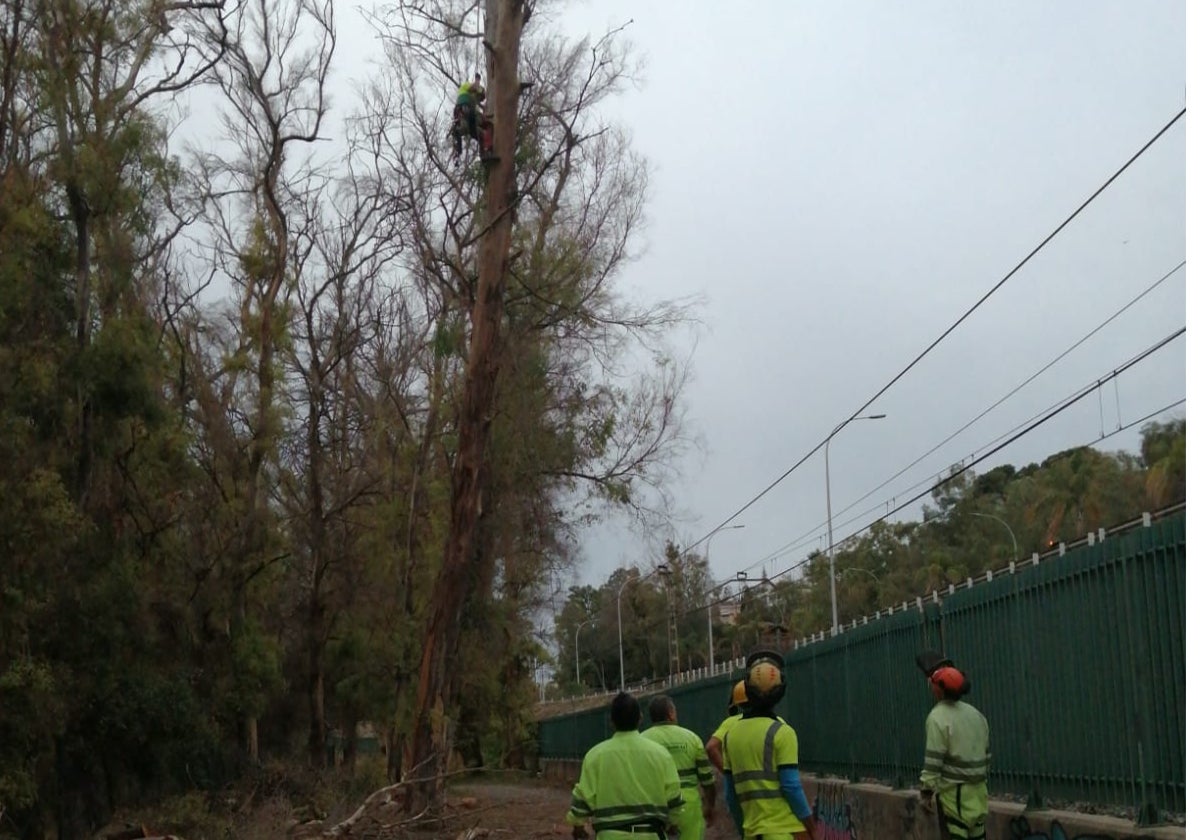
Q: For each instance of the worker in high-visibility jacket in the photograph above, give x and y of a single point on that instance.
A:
(762, 762)
(695, 771)
(956, 758)
(628, 785)
(737, 699)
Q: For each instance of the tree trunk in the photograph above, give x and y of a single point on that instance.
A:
(248, 724)
(316, 606)
(397, 748)
(252, 738)
(350, 744)
(81, 220)
(514, 748)
(426, 758)
(316, 692)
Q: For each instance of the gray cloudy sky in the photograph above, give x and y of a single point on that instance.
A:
(840, 181)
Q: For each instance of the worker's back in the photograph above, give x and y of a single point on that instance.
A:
(626, 780)
(957, 733)
(686, 751)
(470, 93)
(755, 747)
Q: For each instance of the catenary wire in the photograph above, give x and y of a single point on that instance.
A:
(802, 563)
(968, 463)
(807, 537)
(1023, 430)
(775, 483)
(1018, 388)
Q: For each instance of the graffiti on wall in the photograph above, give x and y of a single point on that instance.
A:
(832, 809)
(1019, 829)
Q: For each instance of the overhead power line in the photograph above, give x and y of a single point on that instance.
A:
(808, 538)
(1018, 388)
(764, 581)
(758, 584)
(1100, 438)
(965, 464)
(1104, 186)
(1020, 432)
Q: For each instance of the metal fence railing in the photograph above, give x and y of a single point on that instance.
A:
(1076, 659)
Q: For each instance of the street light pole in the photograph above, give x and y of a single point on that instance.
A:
(620, 634)
(711, 663)
(664, 571)
(578, 681)
(829, 517)
(711, 658)
(864, 571)
(1006, 527)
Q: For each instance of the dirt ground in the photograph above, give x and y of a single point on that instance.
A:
(499, 810)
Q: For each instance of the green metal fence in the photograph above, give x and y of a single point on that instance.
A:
(1077, 661)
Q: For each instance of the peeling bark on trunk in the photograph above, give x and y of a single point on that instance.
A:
(426, 759)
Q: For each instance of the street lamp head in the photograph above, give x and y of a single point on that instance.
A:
(875, 416)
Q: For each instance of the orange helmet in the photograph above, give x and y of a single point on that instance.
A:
(949, 679)
(738, 697)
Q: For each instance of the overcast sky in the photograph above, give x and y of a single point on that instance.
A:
(840, 181)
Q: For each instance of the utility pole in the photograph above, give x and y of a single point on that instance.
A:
(829, 520)
(672, 626)
(740, 576)
(620, 632)
(582, 624)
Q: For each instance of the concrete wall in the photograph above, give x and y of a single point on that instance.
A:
(876, 812)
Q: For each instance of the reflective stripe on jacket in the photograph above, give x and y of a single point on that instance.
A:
(755, 748)
(626, 780)
(957, 757)
(686, 751)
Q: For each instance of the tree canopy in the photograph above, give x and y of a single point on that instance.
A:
(247, 454)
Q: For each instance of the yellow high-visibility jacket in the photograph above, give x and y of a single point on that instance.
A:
(956, 766)
(624, 782)
(691, 761)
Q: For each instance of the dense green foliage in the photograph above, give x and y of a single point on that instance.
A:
(229, 379)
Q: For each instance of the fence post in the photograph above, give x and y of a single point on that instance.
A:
(1033, 797)
(844, 651)
(1147, 809)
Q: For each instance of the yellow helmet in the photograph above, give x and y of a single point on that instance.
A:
(765, 683)
(738, 698)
